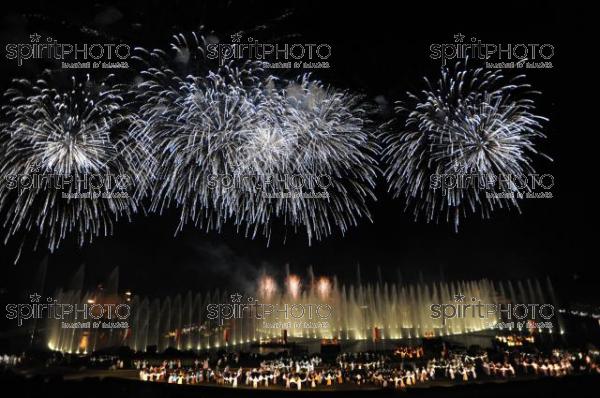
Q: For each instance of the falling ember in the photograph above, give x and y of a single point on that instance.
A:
(267, 287)
(323, 287)
(293, 286)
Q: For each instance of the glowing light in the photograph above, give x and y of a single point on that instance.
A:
(293, 286)
(83, 343)
(323, 288)
(267, 287)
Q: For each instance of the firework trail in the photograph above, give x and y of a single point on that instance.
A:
(241, 122)
(472, 125)
(59, 147)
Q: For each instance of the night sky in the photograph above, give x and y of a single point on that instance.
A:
(379, 50)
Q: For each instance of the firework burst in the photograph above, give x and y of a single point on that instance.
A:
(59, 148)
(332, 135)
(473, 127)
(198, 130)
(240, 123)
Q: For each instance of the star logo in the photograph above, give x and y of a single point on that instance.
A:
(236, 298)
(459, 37)
(236, 37)
(35, 298)
(459, 298)
(35, 38)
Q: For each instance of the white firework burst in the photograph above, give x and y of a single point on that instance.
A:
(472, 127)
(60, 148)
(333, 139)
(242, 123)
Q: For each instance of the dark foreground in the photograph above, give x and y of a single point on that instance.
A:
(112, 387)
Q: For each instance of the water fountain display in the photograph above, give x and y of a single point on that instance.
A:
(81, 339)
(298, 309)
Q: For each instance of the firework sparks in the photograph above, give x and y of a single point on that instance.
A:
(67, 145)
(471, 124)
(198, 130)
(333, 138)
(241, 123)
